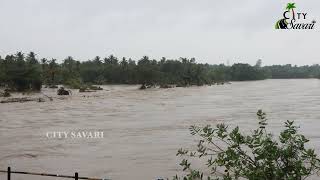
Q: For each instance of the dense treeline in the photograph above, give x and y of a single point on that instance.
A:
(22, 72)
(289, 71)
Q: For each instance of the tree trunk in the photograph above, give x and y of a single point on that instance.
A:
(293, 15)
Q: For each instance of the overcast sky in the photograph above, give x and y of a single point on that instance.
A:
(212, 31)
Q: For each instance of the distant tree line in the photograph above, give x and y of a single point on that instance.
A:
(26, 72)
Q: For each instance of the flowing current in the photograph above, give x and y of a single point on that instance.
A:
(143, 129)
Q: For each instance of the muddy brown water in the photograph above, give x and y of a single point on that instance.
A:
(143, 129)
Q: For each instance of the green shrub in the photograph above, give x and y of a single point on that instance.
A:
(73, 83)
(258, 156)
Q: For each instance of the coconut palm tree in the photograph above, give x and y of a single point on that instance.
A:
(291, 6)
(52, 70)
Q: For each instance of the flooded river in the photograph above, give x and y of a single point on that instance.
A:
(143, 129)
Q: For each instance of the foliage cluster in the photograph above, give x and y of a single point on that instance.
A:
(230, 154)
(25, 72)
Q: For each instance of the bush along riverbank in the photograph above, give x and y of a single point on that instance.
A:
(230, 154)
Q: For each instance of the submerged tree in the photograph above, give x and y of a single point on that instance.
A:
(230, 154)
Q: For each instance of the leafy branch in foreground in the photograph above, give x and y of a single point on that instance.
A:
(229, 154)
